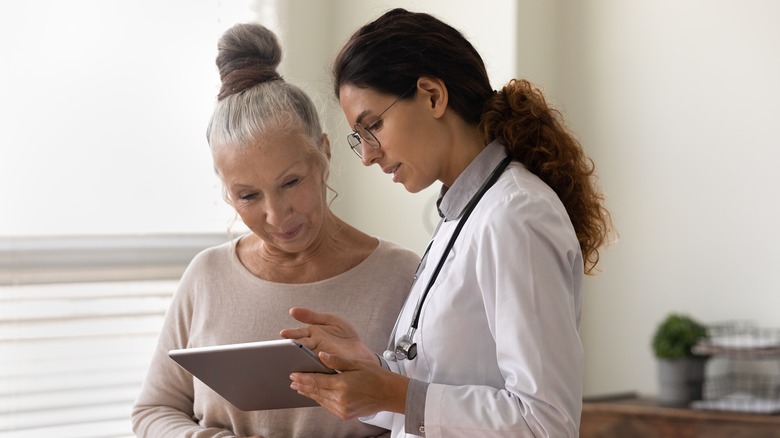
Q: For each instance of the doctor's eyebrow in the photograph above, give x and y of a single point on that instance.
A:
(361, 116)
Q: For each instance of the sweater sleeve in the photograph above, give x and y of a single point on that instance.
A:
(164, 406)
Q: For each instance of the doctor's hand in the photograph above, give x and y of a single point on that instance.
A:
(362, 388)
(328, 333)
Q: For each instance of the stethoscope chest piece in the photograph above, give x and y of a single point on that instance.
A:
(404, 348)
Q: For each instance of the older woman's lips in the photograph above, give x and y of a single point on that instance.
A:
(289, 234)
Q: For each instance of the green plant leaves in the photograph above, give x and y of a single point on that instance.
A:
(676, 335)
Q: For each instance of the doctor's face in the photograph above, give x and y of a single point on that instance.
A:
(404, 131)
(278, 190)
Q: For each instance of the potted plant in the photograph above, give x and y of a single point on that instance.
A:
(680, 371)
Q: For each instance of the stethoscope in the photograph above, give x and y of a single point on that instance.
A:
(406, 348)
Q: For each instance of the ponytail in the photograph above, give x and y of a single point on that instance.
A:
(535, 135)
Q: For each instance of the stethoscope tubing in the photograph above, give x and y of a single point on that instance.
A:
(409, 337)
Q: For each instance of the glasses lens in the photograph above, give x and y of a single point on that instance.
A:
(367, 136)
(354, 143)
(359, 137)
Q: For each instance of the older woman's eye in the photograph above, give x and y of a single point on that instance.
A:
(247, 196)
(292, 182)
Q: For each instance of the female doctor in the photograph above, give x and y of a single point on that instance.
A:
(488, 341)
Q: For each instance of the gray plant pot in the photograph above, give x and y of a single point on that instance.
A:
(680, 381)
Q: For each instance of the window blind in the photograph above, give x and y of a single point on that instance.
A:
(79, 319)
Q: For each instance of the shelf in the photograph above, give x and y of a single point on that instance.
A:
(644, 418)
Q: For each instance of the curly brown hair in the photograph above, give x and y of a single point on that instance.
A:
(535, 135)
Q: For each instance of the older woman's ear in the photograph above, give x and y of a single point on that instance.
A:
(326, 145)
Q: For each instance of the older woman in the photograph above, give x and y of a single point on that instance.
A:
(273, 158)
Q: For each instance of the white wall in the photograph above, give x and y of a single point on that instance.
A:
(678, 104)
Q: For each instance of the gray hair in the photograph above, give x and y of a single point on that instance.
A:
(254, 100)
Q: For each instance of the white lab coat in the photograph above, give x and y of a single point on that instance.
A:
(498, 336)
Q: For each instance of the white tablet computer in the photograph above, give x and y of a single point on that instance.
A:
(254, 375)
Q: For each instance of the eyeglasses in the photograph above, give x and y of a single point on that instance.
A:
(363, 133)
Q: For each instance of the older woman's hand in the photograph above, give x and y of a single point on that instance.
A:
(328, 333)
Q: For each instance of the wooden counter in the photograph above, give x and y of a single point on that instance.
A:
(644, 418)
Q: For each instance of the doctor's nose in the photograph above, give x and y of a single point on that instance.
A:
(370, 155)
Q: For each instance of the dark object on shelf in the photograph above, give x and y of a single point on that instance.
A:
(680, 381)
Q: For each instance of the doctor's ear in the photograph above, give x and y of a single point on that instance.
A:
(435, 92)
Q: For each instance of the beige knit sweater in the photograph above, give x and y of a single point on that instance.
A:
(220, 302)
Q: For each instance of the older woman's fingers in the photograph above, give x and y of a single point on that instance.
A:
(296, 333)
(308, 316)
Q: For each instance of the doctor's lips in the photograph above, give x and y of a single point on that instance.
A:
(391, 170)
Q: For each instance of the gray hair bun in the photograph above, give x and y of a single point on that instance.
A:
(248, 54)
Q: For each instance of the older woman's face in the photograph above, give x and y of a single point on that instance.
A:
(278, 190)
